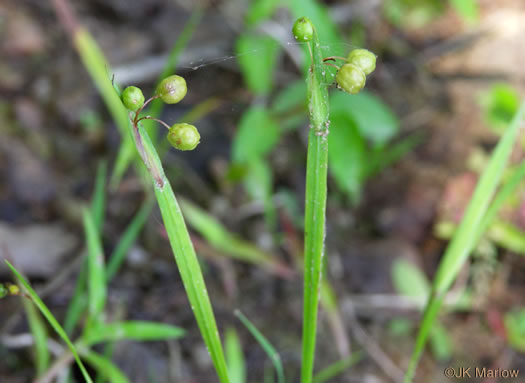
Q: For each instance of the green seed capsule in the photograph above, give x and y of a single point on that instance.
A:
(364, 59)
(132, 98)
(172, 89)
(303, 30)
(184, 136)
(350, 78)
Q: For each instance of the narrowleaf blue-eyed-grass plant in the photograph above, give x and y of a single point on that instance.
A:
(316, 177)
(183, 137)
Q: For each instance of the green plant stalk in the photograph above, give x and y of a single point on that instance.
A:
(183, 251)
(466, 236)
(315, 204)
(50, 318)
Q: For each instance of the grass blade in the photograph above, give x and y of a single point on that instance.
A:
(134, 330)
(235, 357)
(223, 240)
(337, 368)
(465, 236)
(503, 194)
(96, 274)
(78, 302)
(38, 329)
(128, 238)
(315, 205)
(183, 251)
(104, 367)
(51, 319)
(98, 204)
(265, 344)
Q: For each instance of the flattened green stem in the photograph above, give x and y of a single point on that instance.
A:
(316, 173)
(183, 251)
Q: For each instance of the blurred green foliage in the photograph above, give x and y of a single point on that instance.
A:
(500, 104)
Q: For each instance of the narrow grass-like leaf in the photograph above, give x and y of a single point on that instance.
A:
(94, 61)
(465, 236)
(234, 357)
(183, 251)
(39, 332)
(508, 188)
(109, 348)
(128, 238)
(51, 319)
(337, 368)
(265, 344)
(315, 203)
(78, 303)
(131, 330)
(104, 367)
(98, 203)
(222, 239)
(96, 273)
(507, 235)
(96, 64)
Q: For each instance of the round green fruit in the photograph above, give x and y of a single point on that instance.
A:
(364, 59)
(172, 89)
(132, 98)
(303, 30)
(350, 78)
(184, 136)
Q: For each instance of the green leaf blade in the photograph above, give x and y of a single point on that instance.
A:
(96, 272)
(132, 330)
(51, 319)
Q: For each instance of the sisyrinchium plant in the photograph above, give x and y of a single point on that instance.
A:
(350, 78)
(182, 136)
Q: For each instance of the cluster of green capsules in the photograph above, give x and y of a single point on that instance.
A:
(351, 76)
(171, 90)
